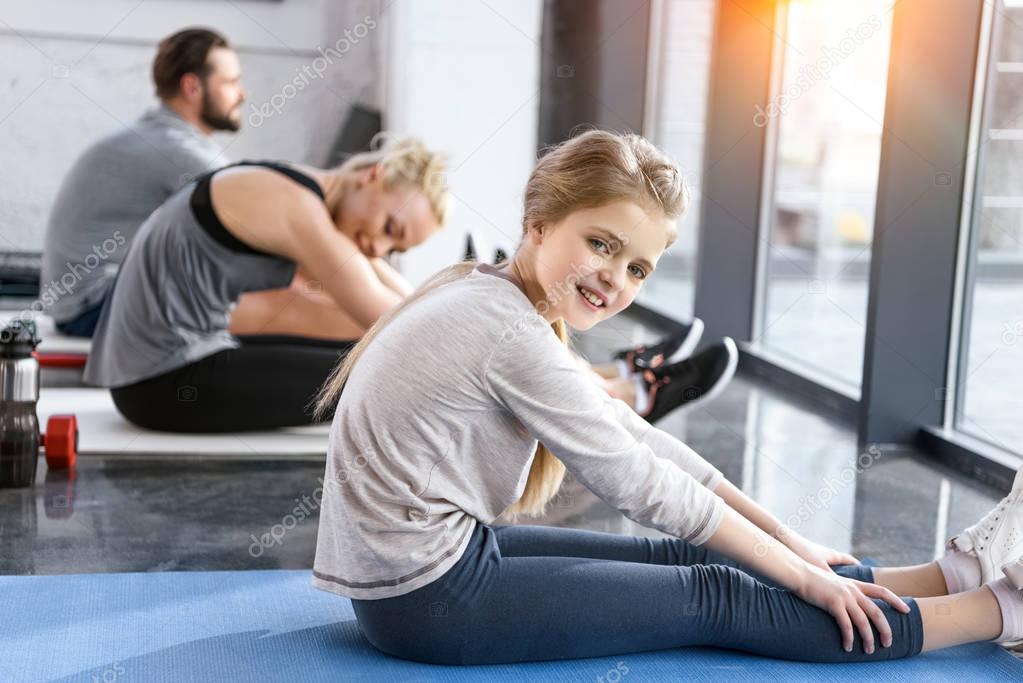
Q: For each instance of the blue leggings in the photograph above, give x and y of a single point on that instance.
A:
(530, 593)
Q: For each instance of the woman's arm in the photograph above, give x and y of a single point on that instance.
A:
(391, 277)
(333, 260)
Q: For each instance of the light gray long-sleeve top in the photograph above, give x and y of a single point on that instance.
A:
(436, 430)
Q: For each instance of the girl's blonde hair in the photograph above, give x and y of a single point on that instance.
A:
(591, 170)
(407, 163)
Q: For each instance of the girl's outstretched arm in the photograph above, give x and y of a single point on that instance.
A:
(814, 553)
(667, 446)
(533, 376)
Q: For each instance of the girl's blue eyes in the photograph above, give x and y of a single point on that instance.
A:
(598, 243)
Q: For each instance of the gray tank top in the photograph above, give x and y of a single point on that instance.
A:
(174, 293)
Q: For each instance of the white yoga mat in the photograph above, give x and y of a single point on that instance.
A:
(102, 431)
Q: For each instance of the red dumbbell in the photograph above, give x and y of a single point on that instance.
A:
(60, 442)
(60, 360)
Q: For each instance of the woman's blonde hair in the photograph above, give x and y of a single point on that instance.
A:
(591, 170)
(407, 163)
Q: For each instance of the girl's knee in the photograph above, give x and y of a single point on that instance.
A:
(710, 588)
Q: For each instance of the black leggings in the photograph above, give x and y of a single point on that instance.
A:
(266, 383)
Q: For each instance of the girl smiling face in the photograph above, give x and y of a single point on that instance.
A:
(591, 264)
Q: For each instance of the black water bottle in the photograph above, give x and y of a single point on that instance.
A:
(19, 392)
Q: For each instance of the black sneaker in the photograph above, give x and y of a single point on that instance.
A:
(675, 348)
(699, 378)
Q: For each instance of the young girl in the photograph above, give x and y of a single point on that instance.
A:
(465, 402)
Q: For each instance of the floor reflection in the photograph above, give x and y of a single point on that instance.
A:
(146, 514)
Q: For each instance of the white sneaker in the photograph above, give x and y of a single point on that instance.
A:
(997, 539)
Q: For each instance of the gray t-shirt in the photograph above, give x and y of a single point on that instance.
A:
(173, 298)
(437, 426)
(109, 192)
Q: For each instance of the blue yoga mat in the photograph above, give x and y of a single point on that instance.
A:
(273, 626)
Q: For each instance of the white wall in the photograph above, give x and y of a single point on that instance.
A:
(73, 71)
(464, 76)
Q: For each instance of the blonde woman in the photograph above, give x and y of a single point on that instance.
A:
(464, 402)
(164, 342)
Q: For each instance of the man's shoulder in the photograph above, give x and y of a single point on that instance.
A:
(144, 148)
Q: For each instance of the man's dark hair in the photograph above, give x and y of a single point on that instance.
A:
(182, 53)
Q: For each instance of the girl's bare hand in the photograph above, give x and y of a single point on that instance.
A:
(850, 603)
(817, 554)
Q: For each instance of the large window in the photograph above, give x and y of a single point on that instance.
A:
(990, 400)
(681, 60)
(825, 121)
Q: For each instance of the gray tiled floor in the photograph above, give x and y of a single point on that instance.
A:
(143, 514)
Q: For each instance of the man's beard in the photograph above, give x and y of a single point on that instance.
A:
(215, 119)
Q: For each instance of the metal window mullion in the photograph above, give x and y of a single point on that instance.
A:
(765, 224)
(970, 226)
